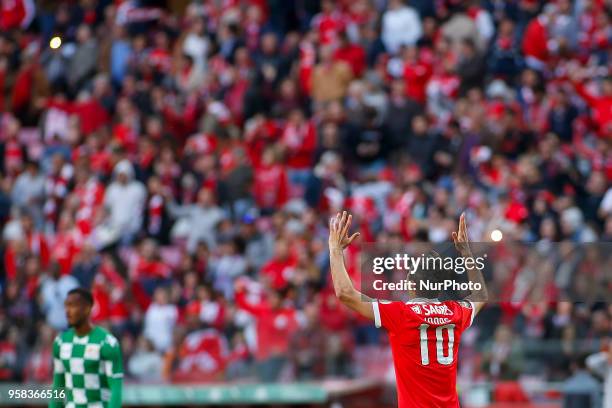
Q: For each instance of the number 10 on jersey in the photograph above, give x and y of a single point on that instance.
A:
(441, 357)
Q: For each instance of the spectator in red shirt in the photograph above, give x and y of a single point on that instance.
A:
(203, 356)
(298, 141)
(271, 185)
(35, 240)
(275, 323)
(416, 74)
(601, 105)
(207, 308)
(536, 46)
(279, 270)
(329, 23)
(91, 113)
(351, 53)
(66, 243)
(30, 89)
(147, 267)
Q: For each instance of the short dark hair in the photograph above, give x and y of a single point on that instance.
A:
(85, 294)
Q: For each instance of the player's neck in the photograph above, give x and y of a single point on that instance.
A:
(83, 329)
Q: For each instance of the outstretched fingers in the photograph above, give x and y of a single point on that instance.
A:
(333, 223)
(342, 221)
(346, 225)
(463, 230)
(355, 235)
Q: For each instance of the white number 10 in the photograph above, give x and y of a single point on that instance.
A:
(442, 359)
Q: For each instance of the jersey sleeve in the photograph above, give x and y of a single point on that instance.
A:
(468, 312)
(388, 314)
(111, 357)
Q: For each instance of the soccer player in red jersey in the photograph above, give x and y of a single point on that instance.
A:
(424, 333)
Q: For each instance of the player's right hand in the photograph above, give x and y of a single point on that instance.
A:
(338, 231)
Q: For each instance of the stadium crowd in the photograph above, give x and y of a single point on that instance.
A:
(181, 159)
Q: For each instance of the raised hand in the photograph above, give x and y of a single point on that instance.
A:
(338, 231)
(460, 237)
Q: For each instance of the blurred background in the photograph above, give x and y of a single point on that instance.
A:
(181, 159)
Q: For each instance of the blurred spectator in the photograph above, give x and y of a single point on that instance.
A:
(9, 356)
(145, 364)
(601, 364)
(351, 53)
(503, 357)
(159, 320)
(271, 182)
(298, 142)
(197, 221)
(54, 288)
(86, 266)
(279, 270)
(401, 25)
(308, 347)
(330, 79)
(581, 389)
(28, 191)
(119, 54)
(229, 265)
(597, 102)
(147, 269)
(124, 199)
(471, 66)
(401, 111)
(573, 226)
(82, 63)
(39, 368)
(203, 356)
(274, 323)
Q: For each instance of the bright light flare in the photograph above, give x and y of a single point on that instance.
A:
(55, 43)
(496, 235)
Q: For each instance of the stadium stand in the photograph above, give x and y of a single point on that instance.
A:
(181, 159)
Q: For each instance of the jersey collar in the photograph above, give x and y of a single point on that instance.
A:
(423, 300)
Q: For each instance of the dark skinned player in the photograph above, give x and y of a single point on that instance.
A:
(87, 365)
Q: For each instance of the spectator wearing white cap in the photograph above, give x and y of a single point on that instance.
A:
(124, 200)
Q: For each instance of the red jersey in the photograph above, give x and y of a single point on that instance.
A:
(424, 339)
(271, 187)
(300, 141)
(328, 25)
(274, 327)
(203, 354)
(279, 271)
(416, 76)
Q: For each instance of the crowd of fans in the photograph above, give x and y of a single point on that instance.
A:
(181, 159)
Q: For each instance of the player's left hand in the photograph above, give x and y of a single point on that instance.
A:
(460, 238)
(338, 231)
